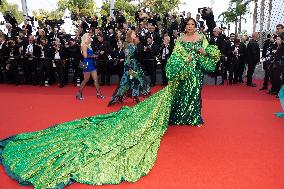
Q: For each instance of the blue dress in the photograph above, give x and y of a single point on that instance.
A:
(90, 62)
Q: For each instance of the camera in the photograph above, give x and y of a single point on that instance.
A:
(10, 19)
(54, 23)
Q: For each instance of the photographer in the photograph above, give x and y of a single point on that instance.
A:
(208, 16)
(32, 54)
(27, 27)
(151, 50)
(120, 19)
(218, 40)
(75, 57)
(45, 66)
(174, 25)
(4, 53)
(11, 33)
(104, 60)
(94, 22)
(12, 62)
(266, 55)
(119, 59)
(165, 53)
(59, 55)
(277, 65)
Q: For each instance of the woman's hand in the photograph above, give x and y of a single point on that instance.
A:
(202, 51)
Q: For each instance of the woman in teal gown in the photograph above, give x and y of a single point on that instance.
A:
(119, 146)
(133, 82)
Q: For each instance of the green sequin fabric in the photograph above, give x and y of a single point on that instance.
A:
(115, 147)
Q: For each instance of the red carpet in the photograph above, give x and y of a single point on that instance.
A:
(241, 145)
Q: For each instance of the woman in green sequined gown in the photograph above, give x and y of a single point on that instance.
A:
(119, 146)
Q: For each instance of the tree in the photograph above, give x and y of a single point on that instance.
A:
(161, 6)
(125, 6)
(262, 8)
(43, 15)
(13, 8)
(269, 14)
(255, 15)
(79, 7)
(235, 13)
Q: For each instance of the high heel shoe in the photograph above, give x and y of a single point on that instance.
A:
(112, 102)
(136, 99)
(79, 96)
(99, 95)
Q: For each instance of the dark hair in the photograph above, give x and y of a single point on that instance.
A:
(185, 23)
(280, 25)
(281, 37)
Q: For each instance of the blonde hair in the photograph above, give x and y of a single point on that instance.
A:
(84, 39)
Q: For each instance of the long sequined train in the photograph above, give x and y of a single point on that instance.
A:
(115, 147)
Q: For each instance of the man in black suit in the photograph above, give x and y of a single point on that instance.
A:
(174, 25)
(253, 57)
(32, 53)
(104, 60)
(218, 40)
(4, 53)
(199, 22)
(151, 50)
(165, 53)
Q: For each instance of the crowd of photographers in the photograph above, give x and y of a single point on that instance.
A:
(49, 56)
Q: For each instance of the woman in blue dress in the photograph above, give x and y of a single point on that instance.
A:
(89, 68)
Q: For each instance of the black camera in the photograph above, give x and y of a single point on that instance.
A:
(54, 23)
(204, 11)
(9, 18)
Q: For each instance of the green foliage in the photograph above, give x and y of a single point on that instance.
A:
(79, 7)
(43, 15)
(236, 10)
(127, 8)
(162, 6)
(13, 8)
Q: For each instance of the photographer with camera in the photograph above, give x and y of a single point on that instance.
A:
(104, 60)
(120, 19)
(151, 51)
(218, 40)
(4, 53)
(27, 27)
(45, 65)
(59, 56)
(75, 57)
(12, 62)
(207, 15)
(32, 54)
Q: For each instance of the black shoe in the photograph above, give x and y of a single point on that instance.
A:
(263, 88)
(112, 102)
(136, 99)
(251, 85)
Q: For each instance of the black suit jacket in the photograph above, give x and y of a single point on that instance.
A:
(253, 52)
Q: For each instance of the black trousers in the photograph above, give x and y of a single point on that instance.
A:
(164, 77)
(276, 81)
(12, 71)
(30, 69)
(60, 70)
(251, 68)
(45, 69)
(105, 71)
(150, 66)
(241, 69)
